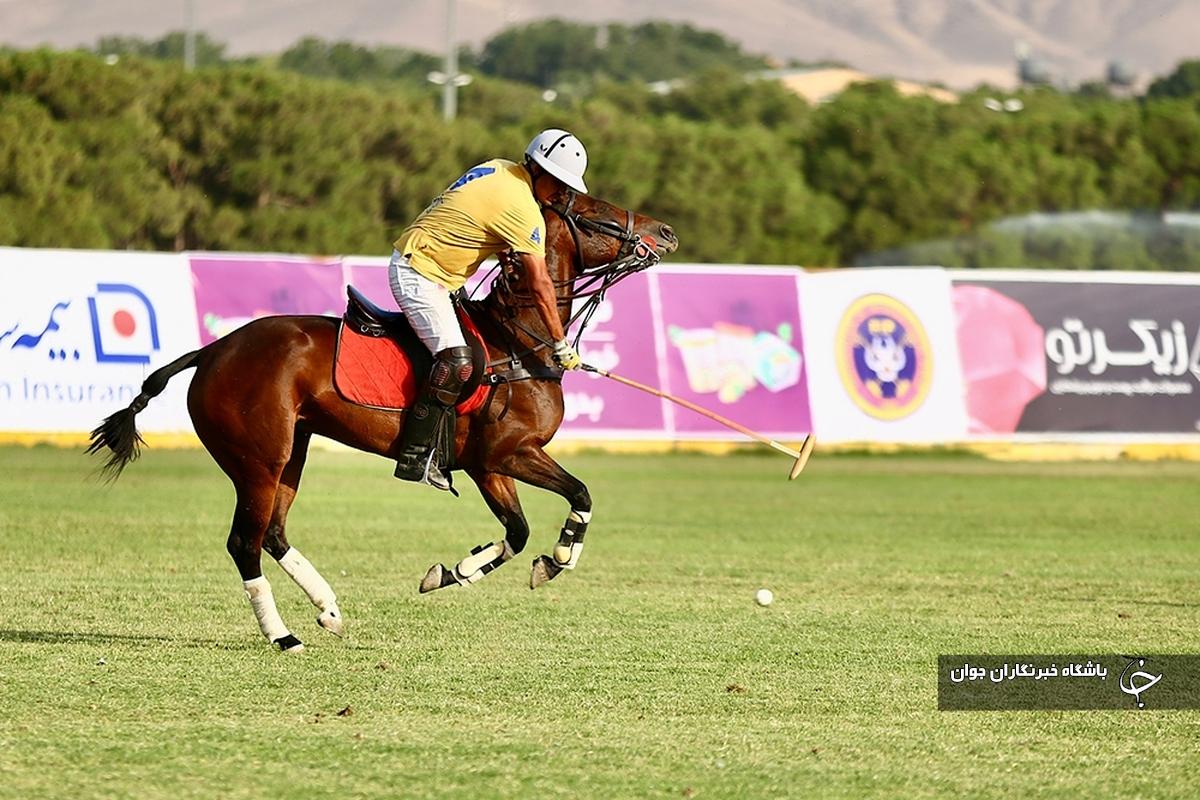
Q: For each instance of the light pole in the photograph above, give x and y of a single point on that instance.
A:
(450, 80)
(189, 35)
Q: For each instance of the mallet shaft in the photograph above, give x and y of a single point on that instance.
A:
(728, 423)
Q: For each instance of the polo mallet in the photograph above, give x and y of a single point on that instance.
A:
(801, 456)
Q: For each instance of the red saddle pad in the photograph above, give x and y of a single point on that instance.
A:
(375, 371)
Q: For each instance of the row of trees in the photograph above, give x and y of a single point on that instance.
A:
(550, 53)
(139, 154)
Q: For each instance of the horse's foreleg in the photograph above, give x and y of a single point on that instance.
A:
(290, 560)
(533, 466)
(500, 494)
(255, 502)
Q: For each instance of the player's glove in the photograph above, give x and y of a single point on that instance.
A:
(566, 355)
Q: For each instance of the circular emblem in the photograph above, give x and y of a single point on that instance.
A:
(884, 357)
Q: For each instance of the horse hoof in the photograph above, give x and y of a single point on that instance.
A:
(331, 620)
(432, 579)
(438, 577)
(290, 644)
(544, 570)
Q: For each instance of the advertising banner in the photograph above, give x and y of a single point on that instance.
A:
(234, 289)
(1053, 354)
(732, 342)
(370, 276)
(81, 330)
(883, 361)
(620, 338)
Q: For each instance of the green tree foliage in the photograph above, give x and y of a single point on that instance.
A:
(551, 52)
(169, 48)
(252, 156)
(350, 62)
(1183, 82)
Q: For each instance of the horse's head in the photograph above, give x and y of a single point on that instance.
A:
(586, 233)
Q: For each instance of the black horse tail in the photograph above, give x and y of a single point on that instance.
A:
(119, 433)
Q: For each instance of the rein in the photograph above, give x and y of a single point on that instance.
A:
(591, 283)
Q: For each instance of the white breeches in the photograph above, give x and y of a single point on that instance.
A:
(426, 304)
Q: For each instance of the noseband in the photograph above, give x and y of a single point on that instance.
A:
(635, 254)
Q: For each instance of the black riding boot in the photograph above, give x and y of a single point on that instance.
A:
(419, 458)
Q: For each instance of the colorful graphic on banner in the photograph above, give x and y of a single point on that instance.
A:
(1003, 360)
(882, 356)
(79, 332)
(235, 289)
(733, 341)
(620, 338)
(1110, 357)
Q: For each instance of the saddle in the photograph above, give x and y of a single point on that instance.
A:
(381, 363)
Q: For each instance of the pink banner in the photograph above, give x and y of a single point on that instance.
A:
(620, 338)
(235, 289)
(725, 339)
(733, 344)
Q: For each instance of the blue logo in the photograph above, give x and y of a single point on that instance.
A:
(536, 236)
(121, 326)
(470, 175)
(32, 340)
(123, 322)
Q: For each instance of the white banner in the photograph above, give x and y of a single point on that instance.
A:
(883, 361)
(81, 330)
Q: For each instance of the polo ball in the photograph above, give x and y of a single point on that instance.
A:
(764, 597)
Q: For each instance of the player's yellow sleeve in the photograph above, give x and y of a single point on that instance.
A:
(521, 226)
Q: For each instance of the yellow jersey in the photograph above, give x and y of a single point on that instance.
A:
(488, 210)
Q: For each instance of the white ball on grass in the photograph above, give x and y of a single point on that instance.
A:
(764, 597)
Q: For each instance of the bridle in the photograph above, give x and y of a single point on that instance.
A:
(636, 253)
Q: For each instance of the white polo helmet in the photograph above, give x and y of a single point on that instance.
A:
(562, 155)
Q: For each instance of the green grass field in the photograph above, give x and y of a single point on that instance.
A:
(131, 665)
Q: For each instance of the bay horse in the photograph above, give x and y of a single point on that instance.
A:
(261, 392)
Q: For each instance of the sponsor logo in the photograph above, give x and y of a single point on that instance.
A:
(883, 357)
(536, 236)
(50, 355)
(1163, 350)
(122, 322)
(470, 175)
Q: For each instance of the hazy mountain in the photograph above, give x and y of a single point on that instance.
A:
(958, 42)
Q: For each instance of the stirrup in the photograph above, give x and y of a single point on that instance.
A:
(422, 469)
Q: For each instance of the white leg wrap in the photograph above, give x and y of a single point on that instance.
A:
(483, 561)
(568, 557)
(307, 578)
(569, 547)
(258, 592)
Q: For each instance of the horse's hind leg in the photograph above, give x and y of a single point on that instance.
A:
(255, 504)
(500, 494)
(291, 561)
(531, 465)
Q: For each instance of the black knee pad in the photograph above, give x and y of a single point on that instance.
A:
(451, 371)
